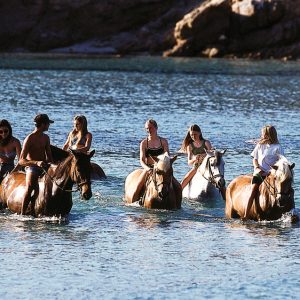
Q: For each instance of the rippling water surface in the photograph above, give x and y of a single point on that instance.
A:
(108, 250)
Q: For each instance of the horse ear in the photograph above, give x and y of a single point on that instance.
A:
(223, 151)
(292, 166)
(173, 159)
(91, 154)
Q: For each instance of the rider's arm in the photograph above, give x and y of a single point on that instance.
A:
(256, 165)
(143, 155)
(48, 150)
(18, 148)
(191, 158)
(88, 143)
(165, 145)
(208, 145)
(67, 143)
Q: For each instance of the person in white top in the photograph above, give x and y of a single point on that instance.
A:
(265, 155)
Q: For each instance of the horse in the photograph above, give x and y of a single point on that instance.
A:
(274, 198)
(209, 178)
(162, 190)
(59, 154)
(54, 195)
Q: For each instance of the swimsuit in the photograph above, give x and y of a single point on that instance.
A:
(75, 142)
(154, 152)
(198, 150)
(7, 167)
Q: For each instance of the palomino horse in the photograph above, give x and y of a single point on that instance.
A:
(54, 197)
(162, 190)
(209, 178)
(275, 196)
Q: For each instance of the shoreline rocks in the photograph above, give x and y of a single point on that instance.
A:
(212, 28)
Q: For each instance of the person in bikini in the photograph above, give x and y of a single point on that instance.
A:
(35, 157)
(10, 147)
(150, 147)
(195, 146)
(79, 138)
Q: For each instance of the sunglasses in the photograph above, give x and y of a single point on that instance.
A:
(4, 131)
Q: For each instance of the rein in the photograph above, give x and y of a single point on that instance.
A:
(274, 191)
(53, 180)
(212, 177)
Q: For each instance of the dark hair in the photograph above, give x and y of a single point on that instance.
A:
(188, 140)
(5, 123)
(42, 119)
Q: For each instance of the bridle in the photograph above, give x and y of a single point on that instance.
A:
(212, 177)
(79, 184)
(272, 189)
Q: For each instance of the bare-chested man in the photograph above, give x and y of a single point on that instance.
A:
(35, 156)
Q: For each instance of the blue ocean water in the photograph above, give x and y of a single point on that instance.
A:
(112, 251)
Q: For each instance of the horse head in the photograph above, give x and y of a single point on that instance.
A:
(162, 174)
(212, 168)
(80, 172)
(282, 172)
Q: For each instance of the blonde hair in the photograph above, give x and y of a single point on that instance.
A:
(152, 122)
(268, 135)
(188, 139)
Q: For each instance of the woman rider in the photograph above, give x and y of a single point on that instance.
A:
(79, 138)
(265, 155)
(10, 147)
(194, 145)
(152, 146)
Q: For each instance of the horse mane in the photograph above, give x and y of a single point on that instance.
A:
(164, 161)
(63, 167)
(283, 171)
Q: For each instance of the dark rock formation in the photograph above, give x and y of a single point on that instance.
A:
(230, 28)
(245, 28)
(119, 26)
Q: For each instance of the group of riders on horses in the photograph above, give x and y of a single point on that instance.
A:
(35, 155)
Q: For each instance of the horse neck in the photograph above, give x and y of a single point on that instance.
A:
(267, 192)
(62, 174)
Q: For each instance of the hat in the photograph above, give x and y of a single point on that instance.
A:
(42, 118)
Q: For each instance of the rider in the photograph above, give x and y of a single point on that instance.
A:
(35, 156)
(194, 145)
(79, 138)
(150, 148)
(265, 155)
(10, 147)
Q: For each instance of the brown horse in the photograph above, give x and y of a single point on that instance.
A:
(275, 196)
(59, 155)
(54, 197)
(162, 190)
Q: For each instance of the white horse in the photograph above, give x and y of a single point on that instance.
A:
(209, 178)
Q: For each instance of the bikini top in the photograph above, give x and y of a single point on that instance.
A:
(154, 151)
(198, 150)
(10, 155)
(75, 141)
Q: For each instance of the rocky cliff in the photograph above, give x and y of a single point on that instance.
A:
(244, 28)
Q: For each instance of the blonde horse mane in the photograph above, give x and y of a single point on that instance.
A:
(164, 162)
(282, 170)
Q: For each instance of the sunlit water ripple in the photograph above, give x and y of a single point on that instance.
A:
(106, 249)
